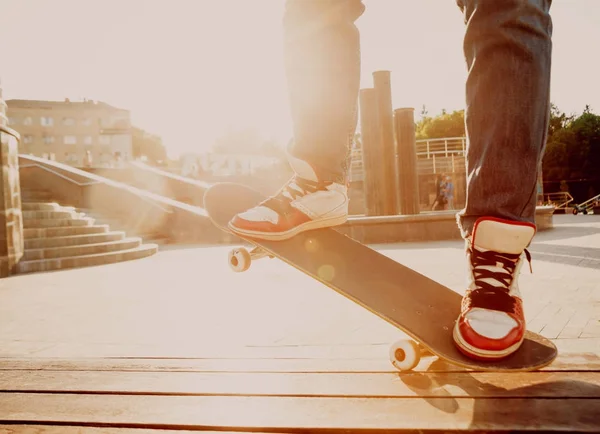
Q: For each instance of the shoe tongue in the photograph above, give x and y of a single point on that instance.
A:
(502, 236)
(303, 169)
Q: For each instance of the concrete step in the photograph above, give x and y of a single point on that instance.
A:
(118, 225)
(82, 250)
(56, 223)
(54, 214)
(41, 206)
(73, 240)
(63, 231)
(142, 251)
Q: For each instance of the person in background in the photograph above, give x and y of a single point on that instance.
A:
(449, 193)
(440, 198)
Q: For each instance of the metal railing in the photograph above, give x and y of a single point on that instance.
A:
(586, 206)
(559, 200)
(445, 155)
(60, 175)
(428, 148)
(446, 147)
(142, 195)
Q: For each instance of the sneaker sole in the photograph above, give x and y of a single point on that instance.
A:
(281, 236)
(471, 351)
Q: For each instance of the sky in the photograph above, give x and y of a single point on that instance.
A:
(190, 70)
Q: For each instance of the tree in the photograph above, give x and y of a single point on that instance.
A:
(444, 125)
(148, 145)
(586, 131)
(573, 152)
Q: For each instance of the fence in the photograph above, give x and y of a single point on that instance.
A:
(444, 155)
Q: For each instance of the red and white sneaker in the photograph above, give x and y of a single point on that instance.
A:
(304, 203)
(492, 324)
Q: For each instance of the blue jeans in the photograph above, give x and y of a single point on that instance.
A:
(507, 48)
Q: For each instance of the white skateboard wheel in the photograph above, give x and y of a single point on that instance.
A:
(239, 259)
(405, 355)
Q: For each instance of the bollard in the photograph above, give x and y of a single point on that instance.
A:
(408, 182)
(372, 154)
(383, 90)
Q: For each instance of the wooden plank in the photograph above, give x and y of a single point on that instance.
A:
(476, 385)
(584, 356)
(310, 414)
(66, 429)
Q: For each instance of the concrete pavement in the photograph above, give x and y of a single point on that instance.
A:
(185, 302)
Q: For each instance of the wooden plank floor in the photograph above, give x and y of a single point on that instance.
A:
(178, 343)
(273, 391)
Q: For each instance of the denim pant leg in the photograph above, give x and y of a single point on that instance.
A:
(322, 63)
(508, 49)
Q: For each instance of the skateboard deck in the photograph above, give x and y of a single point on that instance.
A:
(417, 305)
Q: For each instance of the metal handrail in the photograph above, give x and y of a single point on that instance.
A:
(588, 203)
(60, 175)
(174, 176)
(563, 195)
(86, 184)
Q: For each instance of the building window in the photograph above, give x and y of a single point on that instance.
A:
(27, 121)
(86, 122)
(87, 140)
(13, 121)
(27, 139)
(68, 122)
(70, 140)
(48, 140)
(104, 140)
(47, 121)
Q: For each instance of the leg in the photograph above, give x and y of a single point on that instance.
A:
(508, 52)
(322, 63)
(508, 49)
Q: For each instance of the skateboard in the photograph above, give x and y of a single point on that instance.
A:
(417, 305)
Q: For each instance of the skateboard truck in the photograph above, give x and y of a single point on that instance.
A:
(240, 258)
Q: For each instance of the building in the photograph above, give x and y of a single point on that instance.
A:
(3, 118)
(82, 133)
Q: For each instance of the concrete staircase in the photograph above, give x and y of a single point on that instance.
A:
(60, 237)
(117, 225)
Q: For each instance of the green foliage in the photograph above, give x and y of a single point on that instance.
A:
(444, 125)
(573, 146)
(148, 145)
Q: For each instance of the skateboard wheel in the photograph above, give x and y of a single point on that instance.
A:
(239, 260)
(405, 355)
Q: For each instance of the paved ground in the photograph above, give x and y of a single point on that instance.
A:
(184, 302)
